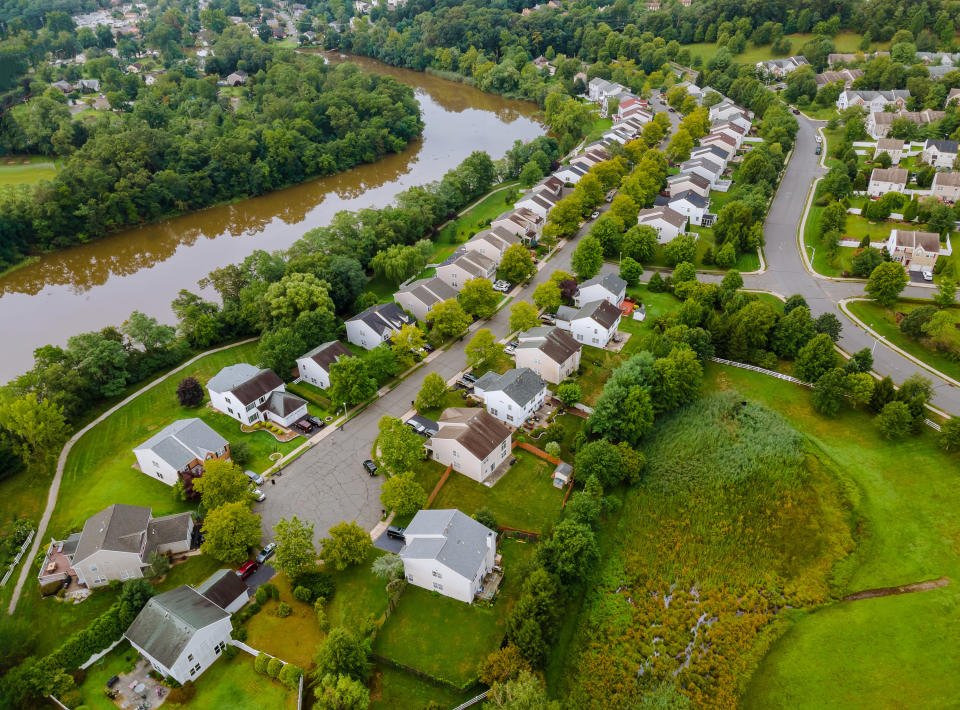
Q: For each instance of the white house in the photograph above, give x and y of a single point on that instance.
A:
(492, 243)
(668, 223)
(879, 122)
(180, 449)
(779, 68)
(464, 266)
(690, 205)
(572, 173)
(513, 396)
(917, 251)
(418, 297)
(471, 440)
(448, 552)
(375, 325)
(711, 153)
(939, 153)
(115, 544)
(892, 147)
(550, 185)
(946, 186)
(604, 287)
(314, 365)
(250, 395)
(726, 109)
(684, 182)
(225, 589)
(522, 223)
(600, 89)
(592, 324)
(181, 633)
(873, 100)
(887, 180)
(730, 128)
(847, 76)
(551, 353)
(706, 169)
(538, 202)
(721, 141)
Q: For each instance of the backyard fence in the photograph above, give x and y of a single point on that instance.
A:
(472, 701)
(436, 489)
(16, 560)
(97, 656)
(539, 453)
(762, 371)
(518, 534)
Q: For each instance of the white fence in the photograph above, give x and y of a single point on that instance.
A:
(16, 560)
(762, 371)
(472, 701)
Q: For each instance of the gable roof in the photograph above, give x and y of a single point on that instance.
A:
(951, 179)
(164, 627)
(692, 197)
(183, 441)
(894, 175)
(166, 530)
(472, 262)
(223, 587)
(245, 382)
(697, 180)
(478, 431)
(382, 318)
(521, 385)
(119, 528)
(889, 144)
(611, 282)
(603, 312)
(283, 404)
(556, 344)
(910, 240)
(449, 537)
(328, 353)
(665, 213)
(942, 145)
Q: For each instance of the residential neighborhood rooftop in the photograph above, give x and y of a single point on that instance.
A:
(183, 441)
(478, 431)
(522, 384)
(450, 537)
(328, 353)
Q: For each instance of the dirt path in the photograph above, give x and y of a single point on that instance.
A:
(905, 589)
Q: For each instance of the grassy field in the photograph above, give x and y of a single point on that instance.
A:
(872, 653)
(358, 595)
(446, 638)
(473, 221)
(122, 659)
(524, 498)
(843, 41)
(883, 321)
(233, 684)
(391, 688)
(25, 169)
(99, 470)
(268, 632)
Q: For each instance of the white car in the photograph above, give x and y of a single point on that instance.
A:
(501, 286)
(258, 495)
(928, 276)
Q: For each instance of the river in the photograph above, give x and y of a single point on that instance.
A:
(98, 284)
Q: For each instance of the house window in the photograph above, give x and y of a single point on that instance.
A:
(190, 657)
(438, 586)
(159, 475)
(193, 671)
(93, 568)
(437, 574)
(196, 667)
(230, 410)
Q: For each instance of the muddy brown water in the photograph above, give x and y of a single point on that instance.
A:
(98, 284)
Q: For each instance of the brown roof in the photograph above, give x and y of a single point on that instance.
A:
(895, 175)
(556, 344)
(282, 404)
(223, 587)
(889, 144)
(260, 384)
(928, 241)
(721, 137)
(665, 213)
(328, 353)
(478, 431)
(604, 313)
(947, 179)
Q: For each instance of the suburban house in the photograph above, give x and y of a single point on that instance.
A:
(314, 365)
(572, 173)
(115, 544)
(448, 552)
(225, 589)
(729, 128)
(704, 168)
(492, 243)
(886, 180)
(180, 450)
(684, 182)
(523, 223)
(542, 62)
(722, 141)
(605, 287)
(726, 109)
(538, 202)
(464, 266)
(181, 633)
(550, 185)
(939, 153)
(892, 147)
(711, 153)
(954, 94)
(237, 78)
(591, 156)
(879, 122)
(847, 57)
(550, 352)
(946, 187)
(418, 297)
(471, 440)
(600, 89)
(593, 323)
(779, 68)
(692, 90)
(513, 396)
(917, 251)
(375, 325)
(633, 108)
(873, 100)
(847, 76)
(249, 395)
(692, 206)
(668, 223)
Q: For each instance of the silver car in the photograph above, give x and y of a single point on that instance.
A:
(255, 477)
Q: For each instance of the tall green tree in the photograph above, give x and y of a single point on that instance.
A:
(229, 532)
(886, 282)
(587, 258)
(222, 482)
(295, 551)
(38, 428)
(517, 264)
(432, 391)
(350, 383)
(348, 545)
(449, 318)
(523, 316)
(402, 494)
(481, 347)
(478, 298)
(399, 446)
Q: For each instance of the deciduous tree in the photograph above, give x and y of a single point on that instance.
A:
(350, 383)
(587, 258)
(547, 296)
(342, 654)
(478, 298)
(886, 282)
(230, 531)
(295, 550)
(402, 494)
(481, 347)
(432, 391)
(517, 264)
(399, 446)
(190, 392)
(222, 482)
(523, 316)
(449, 318)
(348, 545)
(815, 358)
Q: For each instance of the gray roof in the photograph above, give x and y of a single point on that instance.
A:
(223, 587)
(521, 385)
(183, 441)
(232, 376)
(450, 537)
(119, 528)
(326, 354)
(478, 431)
(944, 146)
(691, 197)
(282, 403)
(164, 627)
(611, 282)
(566, 313)
(430, 290)
(383, 318)
(166, 530)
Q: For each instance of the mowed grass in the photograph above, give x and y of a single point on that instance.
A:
(524, 498)
(474, 220)
(359, 595)
(99, 470)
(843, 42)
(883, 320)
(871, 653)
(293, 639)
(446, 638)
(391, 688)
(25, 170)
(232, 683)
(114, 663)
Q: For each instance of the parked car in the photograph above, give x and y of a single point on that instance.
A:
(428, 347)
(594, 215)
(818, 150)
(468, 377)
(510, 349)
(317, 421)
(247, 568)
(501, 286)
(927, 275)
(370, 467)
(267, 552)
(395, 533)
(255, 477)
(796, 111)
(258, 495)
(416, 426)
(549, 318)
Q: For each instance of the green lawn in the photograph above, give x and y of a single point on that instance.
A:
(473, 221)
(320, 404)
(293, 639)
(122, 659)
(524, 498)
(571, 426)
(233, 684)
(99, 470)
(451, 398)
(196, 569)
(391, 688)
(599, 127)
(843, 41)
(748, 261)
(25, 169)
(358, 595)
(872, 653)
(446, 638)
(883, 321)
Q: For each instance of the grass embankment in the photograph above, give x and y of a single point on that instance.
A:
(883, 320)
(842, 41)
(748, 261)
(99, 469)
(723, 477)
(26, 169)
(474, 220)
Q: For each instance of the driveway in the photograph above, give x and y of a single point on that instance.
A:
(263, 575)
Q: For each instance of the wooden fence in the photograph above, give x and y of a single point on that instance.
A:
(436, 489)
(540, 453)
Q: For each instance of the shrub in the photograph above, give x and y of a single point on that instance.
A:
(240, 453)
(485, 516)
(240, 633)
(272, 590)
(260, 662)
(261, 595)
(274, 666)
(232, 651)
(73, 698)
(190, 392)
(322, 622)
(284, 610)
(290, 675)
(302, 594)
(317, 581)
(552, 448)
(182, 695)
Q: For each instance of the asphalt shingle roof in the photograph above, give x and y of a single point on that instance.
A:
(118, 528)
(521, 385)
(183, 441)
(450, 537)
(328, 353)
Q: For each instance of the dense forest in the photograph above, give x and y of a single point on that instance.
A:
(181, 144)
